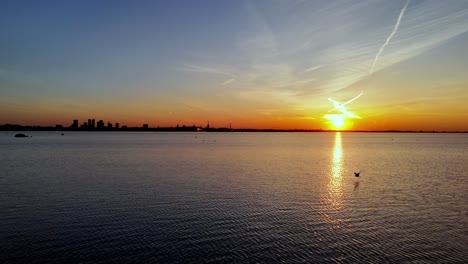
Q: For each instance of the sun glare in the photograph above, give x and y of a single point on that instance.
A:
(337, 121)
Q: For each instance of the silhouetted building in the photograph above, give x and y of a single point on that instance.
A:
(117, 125)
(145, 126)
(100, 124)
(75, 124)
(109, 125)
(90, 123)
(93, 123)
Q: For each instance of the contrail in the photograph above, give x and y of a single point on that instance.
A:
(341, 106)
(395, 28)
(345, 103)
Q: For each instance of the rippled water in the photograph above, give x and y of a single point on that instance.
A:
(233, 197)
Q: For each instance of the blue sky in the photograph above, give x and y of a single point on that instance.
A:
(199, 60)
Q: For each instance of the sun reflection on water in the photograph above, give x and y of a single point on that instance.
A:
(337, 162)
(333, 199)
(336, 166)
(335, 188)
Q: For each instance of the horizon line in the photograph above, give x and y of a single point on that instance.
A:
(184, 128)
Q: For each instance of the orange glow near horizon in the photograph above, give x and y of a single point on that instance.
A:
(374, 118)
(341, 121)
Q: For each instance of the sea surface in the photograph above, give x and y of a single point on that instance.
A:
(233, 197)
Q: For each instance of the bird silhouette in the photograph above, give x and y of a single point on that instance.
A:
(357, 174)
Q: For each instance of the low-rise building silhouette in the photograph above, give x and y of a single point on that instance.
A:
(91, 125)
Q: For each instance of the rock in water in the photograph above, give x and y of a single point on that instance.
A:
(21, 135)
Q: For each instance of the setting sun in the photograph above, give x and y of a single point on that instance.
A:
(337, 121)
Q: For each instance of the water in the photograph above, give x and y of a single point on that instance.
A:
(233, 197)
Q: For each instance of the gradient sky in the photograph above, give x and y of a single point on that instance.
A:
(262, 64)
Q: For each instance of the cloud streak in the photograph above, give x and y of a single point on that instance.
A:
(206, 69)
(395, 29)
(313, 68)
(228, 81)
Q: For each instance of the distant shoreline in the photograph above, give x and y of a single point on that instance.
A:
(9, 127)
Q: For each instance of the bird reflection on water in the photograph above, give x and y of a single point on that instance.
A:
(356, 186)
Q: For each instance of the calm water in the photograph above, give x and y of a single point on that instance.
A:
(233, 197)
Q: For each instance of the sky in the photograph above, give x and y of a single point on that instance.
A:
(253, 64)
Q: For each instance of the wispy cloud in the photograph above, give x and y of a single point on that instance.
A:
(272, 57)
(205, 69)
(313, 68)
(228, 81)
(296, 83)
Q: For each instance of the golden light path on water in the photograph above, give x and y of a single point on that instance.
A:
(336, 179)
(333, 200)
(337, 162)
